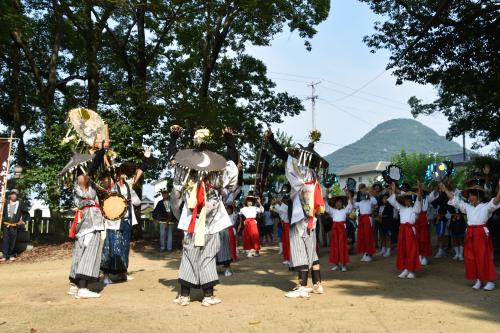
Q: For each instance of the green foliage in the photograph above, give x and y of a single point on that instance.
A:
(143, 65)
(414, 165)
(452, 45)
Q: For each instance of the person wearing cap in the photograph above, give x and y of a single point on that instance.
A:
(365, 241)
(14, 218)
(339, 248)
(251, 238)
(281, 208)
(162, 213)
(302, 166)
(478, 246)
(409, 205)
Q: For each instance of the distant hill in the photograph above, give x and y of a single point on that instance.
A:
(387, 140)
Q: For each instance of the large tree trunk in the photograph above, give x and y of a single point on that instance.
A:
(16, 106)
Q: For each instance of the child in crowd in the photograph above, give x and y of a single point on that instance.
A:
(457, 231)
(339, 249)
(386, 225)
(268, 229)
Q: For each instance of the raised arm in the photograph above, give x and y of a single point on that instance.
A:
(232, 152)
(279, 151)
(144, 166)
(392, 198)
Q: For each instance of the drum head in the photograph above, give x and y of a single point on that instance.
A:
(114, 207)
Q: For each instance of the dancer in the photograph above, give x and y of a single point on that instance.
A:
(88, 234)
(251, 242)
(409, 205)
(478, 248)
(198, 178)
(339, 249)
(365, 243)
(115, 259)
(422, 227)
(306, 200)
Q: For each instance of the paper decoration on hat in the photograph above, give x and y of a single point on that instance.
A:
(439, 171)
(330, 179)
(351, 184)
(88, 126)
(392, 174)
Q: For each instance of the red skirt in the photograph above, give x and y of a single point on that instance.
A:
(232, 243)
(285, 239)
(251, 235)
(423, 235)
(407, 249)
(478, 254)
(339, 249)
(365, 243)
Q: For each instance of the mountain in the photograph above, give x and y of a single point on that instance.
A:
(387, 140)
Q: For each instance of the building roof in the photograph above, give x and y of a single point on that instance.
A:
(364, 168)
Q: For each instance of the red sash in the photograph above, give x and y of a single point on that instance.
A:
(200, 202)
(77, 218)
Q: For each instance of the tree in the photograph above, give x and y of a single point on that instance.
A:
(453, 45)
(414, 165)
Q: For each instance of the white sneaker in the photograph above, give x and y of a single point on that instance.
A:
(368, 258)
(411, 275)
(107, 280)
(3, 259)
(460, 257)
(318, 288)
(209, 301)
(343, 268)
(381, 252)
(477, 285)
(298, 292)
(286, 263)
(403, 274)
(423, 261)
(461, 253)
(85, 293)
(249, 254)
(457, 254)
(489, 286)
(280, 248)
(12, 258)
(387, 252)
(73, 289)
(182, 300)
(130, 278)
(363, 258)
(335, 268)
(257, 254)
(440, 253)
(228, 272)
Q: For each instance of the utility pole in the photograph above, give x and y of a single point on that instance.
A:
(313, 102)
(463, 146)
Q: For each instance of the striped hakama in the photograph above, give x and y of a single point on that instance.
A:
(198, 263)
(116, 250)
(303, 253)
(86, 258)
(224, 255)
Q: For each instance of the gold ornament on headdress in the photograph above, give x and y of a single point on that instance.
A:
(315, 135)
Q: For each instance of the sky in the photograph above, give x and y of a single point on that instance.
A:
(343, 63)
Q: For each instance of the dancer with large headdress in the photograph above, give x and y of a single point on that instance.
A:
(198, 178)
(302, 168)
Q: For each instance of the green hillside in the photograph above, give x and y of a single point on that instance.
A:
(387, 139)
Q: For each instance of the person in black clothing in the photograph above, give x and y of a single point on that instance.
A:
(14, 218)
(457, 233)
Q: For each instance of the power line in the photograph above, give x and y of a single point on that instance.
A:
(342, 110)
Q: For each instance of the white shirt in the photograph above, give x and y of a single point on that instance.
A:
(250, 212)
(12, 208)
(339, 215)
(282, 210)
(365, 206)
(408, 215)
(476, 215)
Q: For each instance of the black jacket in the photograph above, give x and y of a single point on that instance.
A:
(22, 212)
(160, 213)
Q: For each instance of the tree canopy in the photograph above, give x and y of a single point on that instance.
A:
(453, 45)
(143, 65)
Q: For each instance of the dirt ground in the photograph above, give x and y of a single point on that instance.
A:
(368, 298)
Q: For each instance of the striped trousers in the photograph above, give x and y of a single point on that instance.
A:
(198, 264)
(303, 253)
(86, 258)
(224, 253)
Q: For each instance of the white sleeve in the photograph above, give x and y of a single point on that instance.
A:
(458, 203)
(328, 209)
(394, 203)
(417, 207)
(348, 208)
(432, 196)
(492, 207)
(373, 201)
